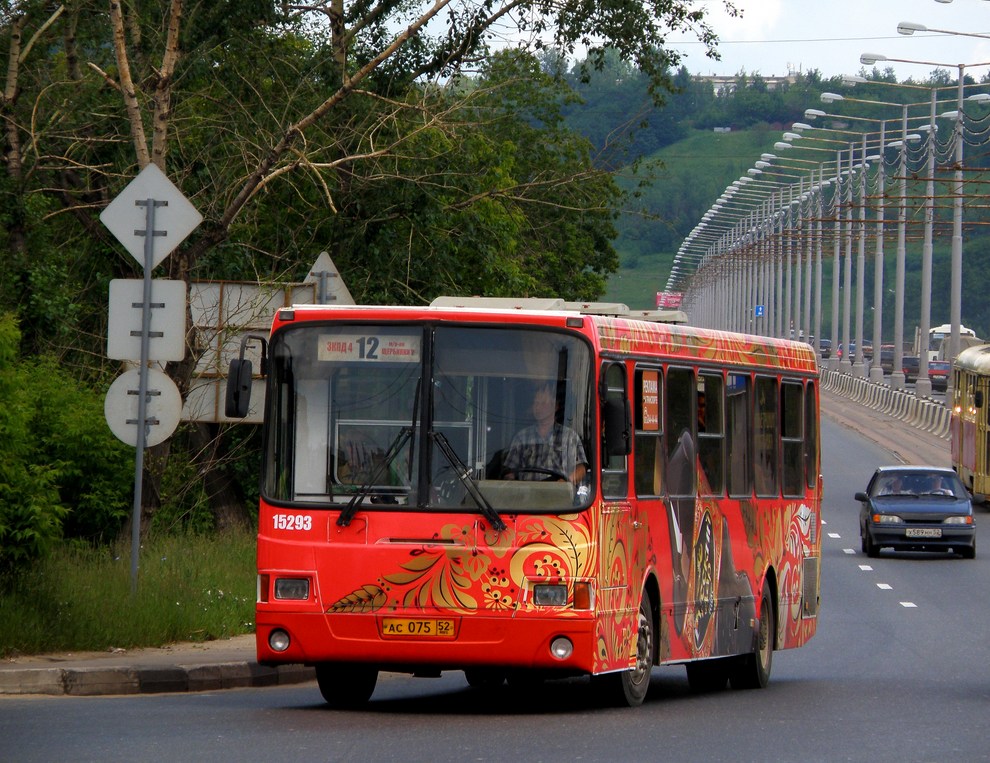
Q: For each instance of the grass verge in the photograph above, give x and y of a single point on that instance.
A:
(190, 588)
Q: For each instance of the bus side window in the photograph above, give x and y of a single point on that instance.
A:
(711, 431)
(810, 436)
(792, 436)
(739, 440)
(681, 430)
(765, 433)
(649, 434)
(615, 478)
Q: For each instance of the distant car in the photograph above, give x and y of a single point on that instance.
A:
(909, 365)
(825, 347)
(938, 374)
(887, 358)
(920, 508)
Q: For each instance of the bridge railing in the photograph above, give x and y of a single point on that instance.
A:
(923, 413)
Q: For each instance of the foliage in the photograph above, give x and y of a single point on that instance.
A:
(61, 471)
(190, 588)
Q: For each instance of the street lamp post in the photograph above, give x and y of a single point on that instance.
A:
(955, 277)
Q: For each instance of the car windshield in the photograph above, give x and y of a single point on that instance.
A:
(918, 484)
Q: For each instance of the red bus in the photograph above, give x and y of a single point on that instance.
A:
(532, 488)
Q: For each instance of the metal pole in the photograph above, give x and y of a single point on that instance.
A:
(142, 417)
(876, 372)
(858, 364)
(923, 386)
(845, 365)
(897, 377)
(955, 277)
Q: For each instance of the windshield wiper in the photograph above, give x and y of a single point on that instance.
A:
(393, 450)
(464, 475)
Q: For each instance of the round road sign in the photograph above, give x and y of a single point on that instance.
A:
(161, 413)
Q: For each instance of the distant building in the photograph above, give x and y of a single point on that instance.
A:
(722, 83)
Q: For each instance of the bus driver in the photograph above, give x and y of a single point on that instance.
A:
(547, 449)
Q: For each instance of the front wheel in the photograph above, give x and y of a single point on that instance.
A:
(752, 671)
(346, 686)
(629, 687)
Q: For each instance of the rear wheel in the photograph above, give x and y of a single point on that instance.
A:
(752, 671)
(629, 687)
(346, 686)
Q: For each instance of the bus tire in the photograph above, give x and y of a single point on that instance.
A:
(629, 687)
(752, 671)
(346, 686)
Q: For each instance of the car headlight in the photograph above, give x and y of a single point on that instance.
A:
(887, 519)
(957, 521)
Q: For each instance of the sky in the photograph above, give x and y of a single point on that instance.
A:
(777, 36)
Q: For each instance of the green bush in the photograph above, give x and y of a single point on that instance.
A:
(31, 512)
(61, 470)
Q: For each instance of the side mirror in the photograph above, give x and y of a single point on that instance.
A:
(618, 428)
(238, 400)
(861, 496)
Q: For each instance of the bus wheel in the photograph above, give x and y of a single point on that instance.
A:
(629, 687)
(752, 671)
(346, 686)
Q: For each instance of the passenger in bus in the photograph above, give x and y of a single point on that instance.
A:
(547, 450)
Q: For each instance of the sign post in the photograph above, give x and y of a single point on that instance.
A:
(150, 191)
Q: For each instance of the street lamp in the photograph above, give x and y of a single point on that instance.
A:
(955, 278)
(909, 28)
(876, 372)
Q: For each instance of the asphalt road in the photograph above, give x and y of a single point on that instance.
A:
(898, 671)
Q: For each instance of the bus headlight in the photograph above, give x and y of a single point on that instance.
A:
(292, 588)
(550, 595)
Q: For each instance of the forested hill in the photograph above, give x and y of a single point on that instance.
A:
(696, 143)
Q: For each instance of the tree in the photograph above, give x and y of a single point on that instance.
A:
(275, 119)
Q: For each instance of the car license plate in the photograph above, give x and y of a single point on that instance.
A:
(923, 532)
(415, 627)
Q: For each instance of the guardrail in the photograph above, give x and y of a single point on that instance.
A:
(923, 413)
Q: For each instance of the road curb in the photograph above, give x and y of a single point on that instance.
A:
(97, 681)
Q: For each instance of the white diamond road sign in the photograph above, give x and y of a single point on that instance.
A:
(125, 216)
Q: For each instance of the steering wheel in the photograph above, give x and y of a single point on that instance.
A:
(450, 491)
(538, 470)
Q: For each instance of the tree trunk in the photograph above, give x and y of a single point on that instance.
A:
(226, 499)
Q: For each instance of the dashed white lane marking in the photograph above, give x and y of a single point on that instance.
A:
(866, 568)
(885, 586)
(849, 551)
(834, 535)
(909, 605)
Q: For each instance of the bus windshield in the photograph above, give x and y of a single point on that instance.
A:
(429, 416)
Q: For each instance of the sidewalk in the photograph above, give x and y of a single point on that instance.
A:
(205, 666)
(232, 663)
